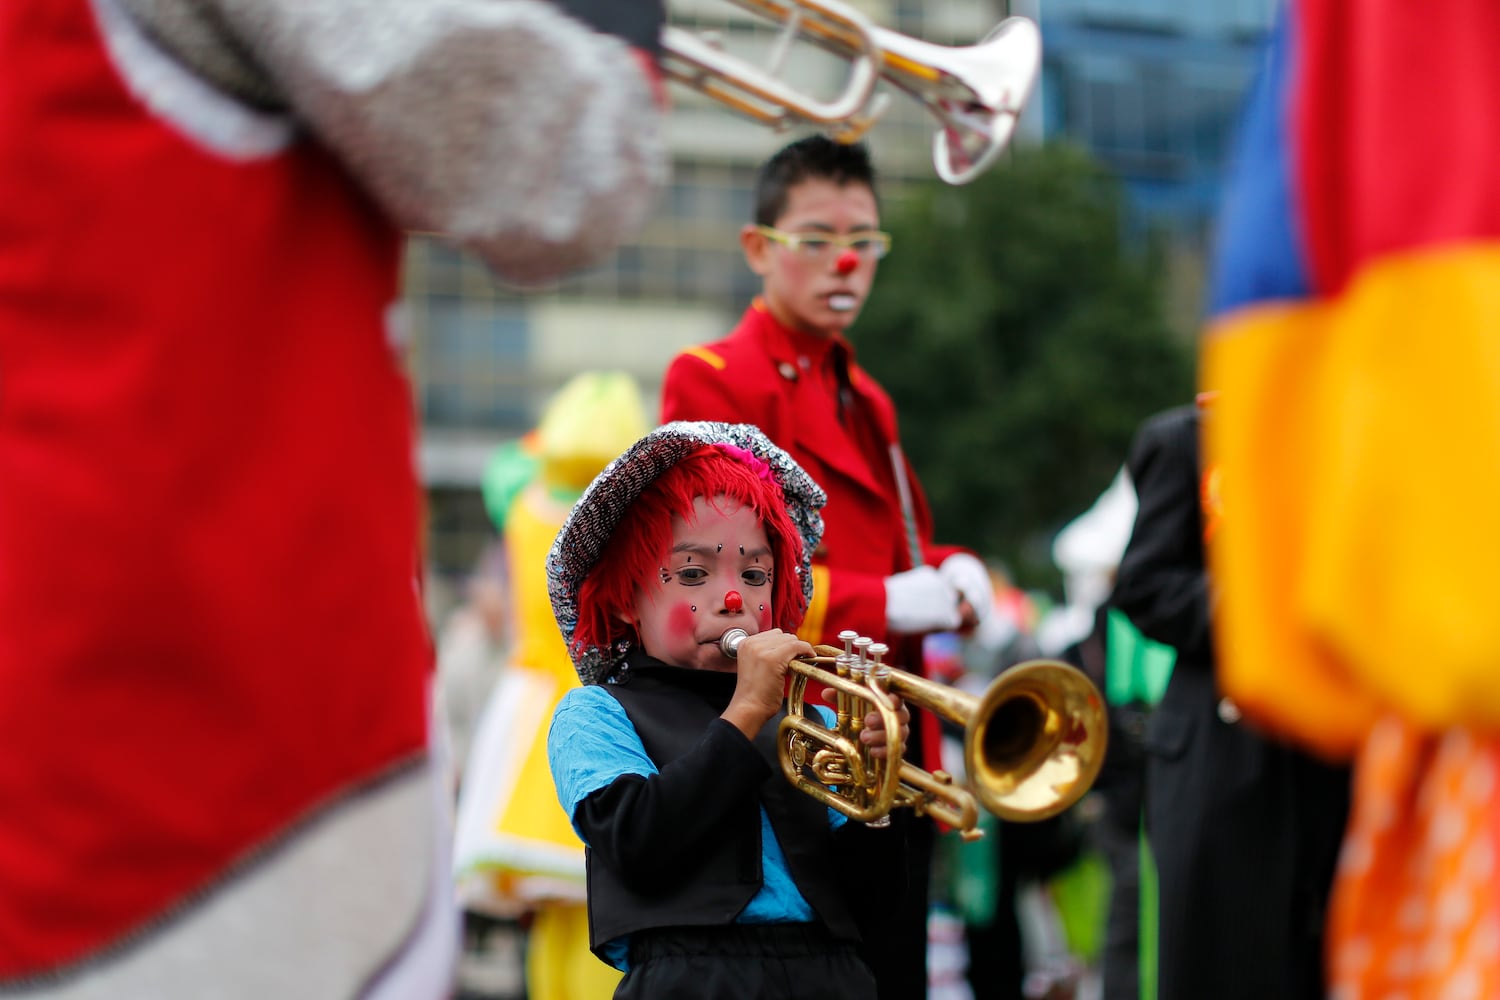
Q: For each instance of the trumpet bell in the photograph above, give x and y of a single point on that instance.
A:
(1000, 72)
(1036, 741)
(1033, 742)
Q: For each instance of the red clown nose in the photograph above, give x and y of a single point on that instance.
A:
(733, 601)
(846, 262)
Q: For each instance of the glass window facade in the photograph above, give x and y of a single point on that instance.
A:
(1153, 87)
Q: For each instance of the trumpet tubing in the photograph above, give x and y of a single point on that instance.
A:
(1034, 740)
(758, 93)
(975, 92)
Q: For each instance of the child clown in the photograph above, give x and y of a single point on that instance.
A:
(709, 874)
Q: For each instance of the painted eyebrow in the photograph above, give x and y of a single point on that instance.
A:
(706, 550)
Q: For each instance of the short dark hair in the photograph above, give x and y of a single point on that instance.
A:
(816, 156)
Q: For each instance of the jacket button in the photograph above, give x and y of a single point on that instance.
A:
(1229, 712)
(788, 371)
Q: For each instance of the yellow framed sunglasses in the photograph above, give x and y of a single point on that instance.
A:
(871, 244)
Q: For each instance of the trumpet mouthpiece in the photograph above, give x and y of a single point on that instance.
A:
(729, 642)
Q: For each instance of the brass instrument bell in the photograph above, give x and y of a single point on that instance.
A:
(1034, 740)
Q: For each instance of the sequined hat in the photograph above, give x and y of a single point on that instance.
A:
(593, 520)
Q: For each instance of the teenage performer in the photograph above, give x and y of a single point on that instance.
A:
(789, 368)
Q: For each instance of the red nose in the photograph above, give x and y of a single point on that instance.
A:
(733, 601)
(846, 262)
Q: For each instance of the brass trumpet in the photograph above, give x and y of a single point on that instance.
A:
(1033, 741)
(975, 92)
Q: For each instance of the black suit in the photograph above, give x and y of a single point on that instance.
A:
(1245, 831)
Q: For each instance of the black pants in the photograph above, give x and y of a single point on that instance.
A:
(1121, 962)
(744, 962)
(893, 916)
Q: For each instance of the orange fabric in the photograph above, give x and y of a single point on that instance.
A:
(1416, 905)
(1359, 443)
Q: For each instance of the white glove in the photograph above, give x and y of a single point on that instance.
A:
(969, 577)
(920, 600)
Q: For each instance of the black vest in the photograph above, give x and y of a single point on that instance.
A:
(670, 709)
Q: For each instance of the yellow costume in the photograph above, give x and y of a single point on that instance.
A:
(515, 850)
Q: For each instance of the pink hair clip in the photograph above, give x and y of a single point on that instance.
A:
(759, 467)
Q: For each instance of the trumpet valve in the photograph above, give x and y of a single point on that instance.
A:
(880, 671)
(843, 666)
(860, 661)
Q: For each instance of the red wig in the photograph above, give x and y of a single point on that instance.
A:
(642, 541)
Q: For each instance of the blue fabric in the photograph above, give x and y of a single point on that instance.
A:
(1260, 255)
(591, 743)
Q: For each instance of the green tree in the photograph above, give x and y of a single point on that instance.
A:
(1023, 341)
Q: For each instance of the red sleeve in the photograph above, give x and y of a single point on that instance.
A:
(693, 389)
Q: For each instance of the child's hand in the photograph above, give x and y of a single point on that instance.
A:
(759, 691)
(873, 735)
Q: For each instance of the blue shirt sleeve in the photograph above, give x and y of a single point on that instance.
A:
(590, 744)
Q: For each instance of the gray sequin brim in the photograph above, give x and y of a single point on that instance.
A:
(594, 518)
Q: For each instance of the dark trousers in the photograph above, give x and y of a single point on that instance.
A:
(1121, 961)
(1026, 853)
(1246, 835)
(744, 962)
(997, 960)
(893, 920)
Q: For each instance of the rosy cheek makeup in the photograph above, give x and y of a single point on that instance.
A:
(680, 621)
(763, 617)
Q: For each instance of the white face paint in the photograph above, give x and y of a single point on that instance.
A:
(811, 294)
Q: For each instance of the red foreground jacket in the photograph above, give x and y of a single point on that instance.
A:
(210, 629)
